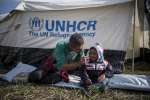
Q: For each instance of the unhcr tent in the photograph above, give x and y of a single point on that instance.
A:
(39, 24)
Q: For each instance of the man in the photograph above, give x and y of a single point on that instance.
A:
(68, 58)
(68, 55)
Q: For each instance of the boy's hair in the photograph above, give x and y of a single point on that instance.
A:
(76, 39)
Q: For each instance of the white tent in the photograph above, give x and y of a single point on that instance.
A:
(141, 30)
(41, 24)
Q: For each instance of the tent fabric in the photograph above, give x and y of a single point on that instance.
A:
(101, 24)
(3, 16)
(130, 82)
(108, 22)
(42, 5)
(6, 7)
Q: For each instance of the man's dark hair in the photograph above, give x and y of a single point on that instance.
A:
(76, 39)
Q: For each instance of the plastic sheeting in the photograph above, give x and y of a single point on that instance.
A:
(130, 82)
(20, 68)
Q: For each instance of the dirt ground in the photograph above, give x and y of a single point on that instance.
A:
(30, 91)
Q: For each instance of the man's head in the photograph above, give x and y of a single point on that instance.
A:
(76, 42)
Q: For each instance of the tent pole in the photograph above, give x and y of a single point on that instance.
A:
(143, 47)
(143, 31)
(133, 46)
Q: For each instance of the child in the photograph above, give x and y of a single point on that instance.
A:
(94, 69)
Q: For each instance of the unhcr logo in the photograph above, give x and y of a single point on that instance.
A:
(36, 23)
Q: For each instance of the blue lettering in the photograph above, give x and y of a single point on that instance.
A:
(35, 22)
(60, 26)
(51, 28)
(80, 24)
(69, 26)
(38, 23)
(33, 33)
(44, 34)
(91, 25)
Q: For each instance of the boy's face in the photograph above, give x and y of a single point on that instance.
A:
(76, 48)
(93, 56)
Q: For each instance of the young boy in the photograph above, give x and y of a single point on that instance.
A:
(94, 69)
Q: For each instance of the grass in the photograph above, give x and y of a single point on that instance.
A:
(44, 92)
(30, 91)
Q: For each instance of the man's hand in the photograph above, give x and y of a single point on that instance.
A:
(64, 75)
(101, 78)
(82, 61)
(75, 65)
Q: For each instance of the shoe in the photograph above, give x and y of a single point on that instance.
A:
(87, 82)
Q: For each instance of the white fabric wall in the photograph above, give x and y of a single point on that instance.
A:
(112, 27)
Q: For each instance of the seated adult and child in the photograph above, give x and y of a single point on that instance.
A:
(68, 58)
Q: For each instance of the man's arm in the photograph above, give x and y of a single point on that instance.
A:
(59, 55)
(71, 66)
(74, 65)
